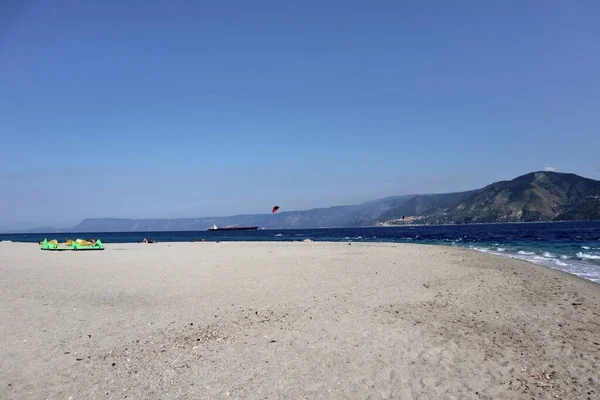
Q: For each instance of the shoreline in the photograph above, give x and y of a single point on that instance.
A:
(301, 229)
(297, 320)
(502, 254)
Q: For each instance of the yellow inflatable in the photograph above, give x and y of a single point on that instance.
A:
(82, 242)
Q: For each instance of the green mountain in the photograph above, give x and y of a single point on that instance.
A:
(537, 196)
(425, 204)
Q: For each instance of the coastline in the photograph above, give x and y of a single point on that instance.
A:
(290, 319)
(573, 248)
(62, 231)
(488, 223)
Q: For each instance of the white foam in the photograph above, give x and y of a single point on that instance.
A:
(585, 247)
(588, 256)
(584, 265)
(561, 264)
(583, 268)
(483, 249)
(579, 268)
(539, 259)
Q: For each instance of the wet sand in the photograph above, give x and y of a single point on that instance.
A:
(292, 320)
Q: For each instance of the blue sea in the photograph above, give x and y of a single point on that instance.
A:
(573, 247)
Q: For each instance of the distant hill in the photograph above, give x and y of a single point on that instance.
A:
(332, 217)
(537, 196)
(428, 204)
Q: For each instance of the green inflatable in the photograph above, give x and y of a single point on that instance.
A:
(74, 246)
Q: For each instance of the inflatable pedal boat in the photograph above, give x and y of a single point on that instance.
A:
(72, 245)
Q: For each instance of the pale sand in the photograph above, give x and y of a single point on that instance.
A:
(292, 320)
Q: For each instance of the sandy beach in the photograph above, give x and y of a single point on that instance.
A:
(292, 321)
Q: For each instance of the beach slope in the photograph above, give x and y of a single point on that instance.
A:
(292, 320)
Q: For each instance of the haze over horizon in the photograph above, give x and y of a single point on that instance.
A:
(165, 110)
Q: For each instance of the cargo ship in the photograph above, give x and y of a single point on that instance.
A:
(233, 228)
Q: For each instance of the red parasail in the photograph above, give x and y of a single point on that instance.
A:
(275, 209)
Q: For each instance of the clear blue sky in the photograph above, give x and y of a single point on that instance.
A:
(181, 108)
